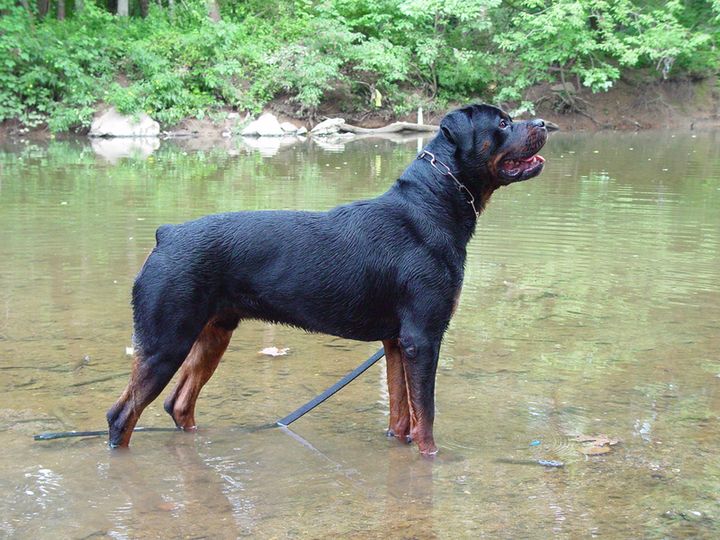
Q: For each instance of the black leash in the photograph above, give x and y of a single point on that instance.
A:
(314, 402)
(283, 422)
(68, 434)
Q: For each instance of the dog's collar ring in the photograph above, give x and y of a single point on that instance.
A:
(447, 172)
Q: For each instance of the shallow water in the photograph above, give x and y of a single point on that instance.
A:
(591, 306)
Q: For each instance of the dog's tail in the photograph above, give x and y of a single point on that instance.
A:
(162, 232)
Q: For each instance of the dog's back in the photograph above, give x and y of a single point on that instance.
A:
(341, 272)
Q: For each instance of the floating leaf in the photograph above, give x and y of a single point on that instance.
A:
(274, 351)
(595, 445)
(596, 440)
(595, 450)
(166, 506)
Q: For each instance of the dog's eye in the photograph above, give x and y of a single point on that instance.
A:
(503, 124)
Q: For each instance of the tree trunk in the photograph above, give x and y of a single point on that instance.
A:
(144, 7)
(79, 5)
(43, 6)
(122, 8)
(213, 10)
(60, 10)
(26, 6)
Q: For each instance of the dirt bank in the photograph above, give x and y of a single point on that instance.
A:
(629, 105)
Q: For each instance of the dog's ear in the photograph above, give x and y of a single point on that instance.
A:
(455, 124)
(448, 135)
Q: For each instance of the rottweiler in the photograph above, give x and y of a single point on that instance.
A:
(387, 269)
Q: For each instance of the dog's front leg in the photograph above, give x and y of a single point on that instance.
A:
(420, 358)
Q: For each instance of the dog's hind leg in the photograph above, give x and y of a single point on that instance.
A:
(197, 369)
(399, 424)
(151, 372)
(165, 334)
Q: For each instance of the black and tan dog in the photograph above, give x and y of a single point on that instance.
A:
(388, 269)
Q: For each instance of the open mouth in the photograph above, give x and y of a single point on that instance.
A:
(521, 168)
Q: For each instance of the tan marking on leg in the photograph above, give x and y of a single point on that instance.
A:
(131, 403)
(399, 423)
(411, 411)
(421, 427)
(197, 369)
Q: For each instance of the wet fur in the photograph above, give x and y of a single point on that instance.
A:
(387, 269)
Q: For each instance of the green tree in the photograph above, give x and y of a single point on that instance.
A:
(592, 41)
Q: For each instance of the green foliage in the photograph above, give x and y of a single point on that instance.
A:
(594, 40)
(50, 72)
(175, 64)
(176, 74)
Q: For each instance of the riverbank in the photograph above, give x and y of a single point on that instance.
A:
(629, 105)
(682, 104)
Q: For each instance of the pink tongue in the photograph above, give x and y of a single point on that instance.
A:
(517, 163)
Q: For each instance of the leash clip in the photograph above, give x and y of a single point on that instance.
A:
(461, 187)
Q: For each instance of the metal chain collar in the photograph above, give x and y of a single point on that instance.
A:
(447, 172)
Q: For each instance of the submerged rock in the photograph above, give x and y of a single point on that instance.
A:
(113, 124)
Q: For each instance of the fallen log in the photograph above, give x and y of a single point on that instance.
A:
(395, 127)
(398, 127)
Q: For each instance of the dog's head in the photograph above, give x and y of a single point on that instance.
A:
(491, 148)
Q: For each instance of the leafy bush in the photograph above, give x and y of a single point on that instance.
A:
(175, 64)
(50, 72)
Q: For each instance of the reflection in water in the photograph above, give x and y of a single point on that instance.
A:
(409, 488)
(270, 146)
(191, 502)
(124, 147)
(590, 306)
